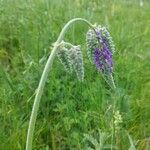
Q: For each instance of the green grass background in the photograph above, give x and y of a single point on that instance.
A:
(69, 109)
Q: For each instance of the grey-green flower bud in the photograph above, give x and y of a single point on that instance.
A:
(76, 60)
(71, 58)
(63, 55)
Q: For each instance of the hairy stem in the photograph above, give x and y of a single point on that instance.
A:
(43, 79)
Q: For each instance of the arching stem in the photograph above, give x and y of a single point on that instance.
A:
(43, 79)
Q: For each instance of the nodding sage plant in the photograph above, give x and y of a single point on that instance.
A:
(100, 49)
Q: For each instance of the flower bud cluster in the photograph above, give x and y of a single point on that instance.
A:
(63, 56)
(75, 55)
(72, 59)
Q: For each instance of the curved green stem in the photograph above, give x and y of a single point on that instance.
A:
(43, 79)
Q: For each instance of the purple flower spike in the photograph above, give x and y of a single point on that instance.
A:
(100, 47)
(97, 59)
(103, 56)
(103, 60)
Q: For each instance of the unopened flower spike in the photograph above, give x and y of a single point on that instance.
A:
(63, 56)
(71, 58)
(76, 58)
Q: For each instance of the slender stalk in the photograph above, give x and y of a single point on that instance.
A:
(113, 83)
(113, 110)
(43, 79)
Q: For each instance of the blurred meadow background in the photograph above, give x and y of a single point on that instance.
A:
(74, 115)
